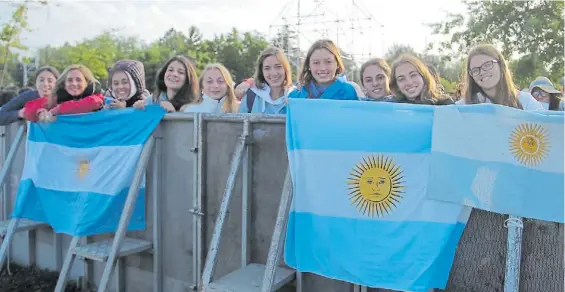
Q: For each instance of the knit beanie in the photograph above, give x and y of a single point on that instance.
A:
(135, 71)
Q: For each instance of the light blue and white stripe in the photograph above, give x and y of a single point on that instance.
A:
(411, 248)
(473, 164)
(78, 170)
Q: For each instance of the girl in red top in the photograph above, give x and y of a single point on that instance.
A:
(76, 92)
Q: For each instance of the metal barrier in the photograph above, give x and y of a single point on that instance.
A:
(192, 180)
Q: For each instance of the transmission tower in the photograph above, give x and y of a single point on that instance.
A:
(347, 22)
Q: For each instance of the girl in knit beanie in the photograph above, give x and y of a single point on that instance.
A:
(127, 84)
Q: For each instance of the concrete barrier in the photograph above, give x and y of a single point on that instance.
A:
(480, 258)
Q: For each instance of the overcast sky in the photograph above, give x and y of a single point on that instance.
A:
(376, 24)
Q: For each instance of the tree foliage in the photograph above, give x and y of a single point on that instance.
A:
(396, 50)
(10, 36)
(450, 71)
(530, 34)
(237, 51)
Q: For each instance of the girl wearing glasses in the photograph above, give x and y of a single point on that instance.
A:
(543, 91)
(488, 80)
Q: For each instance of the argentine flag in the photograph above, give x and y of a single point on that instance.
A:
(359, 212)
(499, 159)
(78, 170)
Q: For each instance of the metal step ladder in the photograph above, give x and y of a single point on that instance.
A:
(9, 227)
(113, 251)
(250, 277)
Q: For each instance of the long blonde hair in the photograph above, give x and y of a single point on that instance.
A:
(280, 55)
(230, 105)
(60, 83)
(506, 90)
(430, 92)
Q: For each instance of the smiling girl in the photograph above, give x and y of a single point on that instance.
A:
(273, 83)
(318, 77)
(75, 92)
(127, 83)
(544, 92)
(218, 95)
(488, 80)
(412, 82)
(13, 111)
(375, 79)
(176, 84)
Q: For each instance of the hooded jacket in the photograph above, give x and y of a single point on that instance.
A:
(90, 100)
(208, 105)
(528, 102)
(264, 103)
(136, 75)
(338, 90)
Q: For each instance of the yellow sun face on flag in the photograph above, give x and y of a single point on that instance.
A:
(375, 186)
(529, 144)
(83, 168)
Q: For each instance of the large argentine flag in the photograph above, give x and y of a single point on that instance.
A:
(359, 212)
(78, 170)
(499, 159)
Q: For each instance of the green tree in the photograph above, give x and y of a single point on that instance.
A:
(10, 36)
(238, 53)
(520, 28)
(447, 69)
(526, 69)
(396, 50)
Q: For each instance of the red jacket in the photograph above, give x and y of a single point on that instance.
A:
(85, 105)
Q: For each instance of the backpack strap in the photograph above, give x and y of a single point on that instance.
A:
(250, 99)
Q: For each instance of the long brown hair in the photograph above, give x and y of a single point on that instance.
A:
(280, 55)
(60, 84)
(305, 77)
(230, 105)
(188, 93)
(506, 90)
(430, 93)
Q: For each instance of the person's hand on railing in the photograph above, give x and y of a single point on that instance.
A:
(168, 106)
(45, 116)
(116, 104)
(140, 105)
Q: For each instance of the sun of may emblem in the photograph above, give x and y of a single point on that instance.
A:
(529, 144)
(83, 168)
(375, 185)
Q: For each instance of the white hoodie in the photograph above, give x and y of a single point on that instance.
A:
(208, 105)
(264, 103)
(529, 103)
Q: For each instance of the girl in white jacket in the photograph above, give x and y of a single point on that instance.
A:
(273, 83)
(217, 95)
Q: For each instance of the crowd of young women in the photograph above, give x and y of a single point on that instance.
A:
(178, 88)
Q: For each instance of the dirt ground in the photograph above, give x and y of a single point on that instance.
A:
(31, 279)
